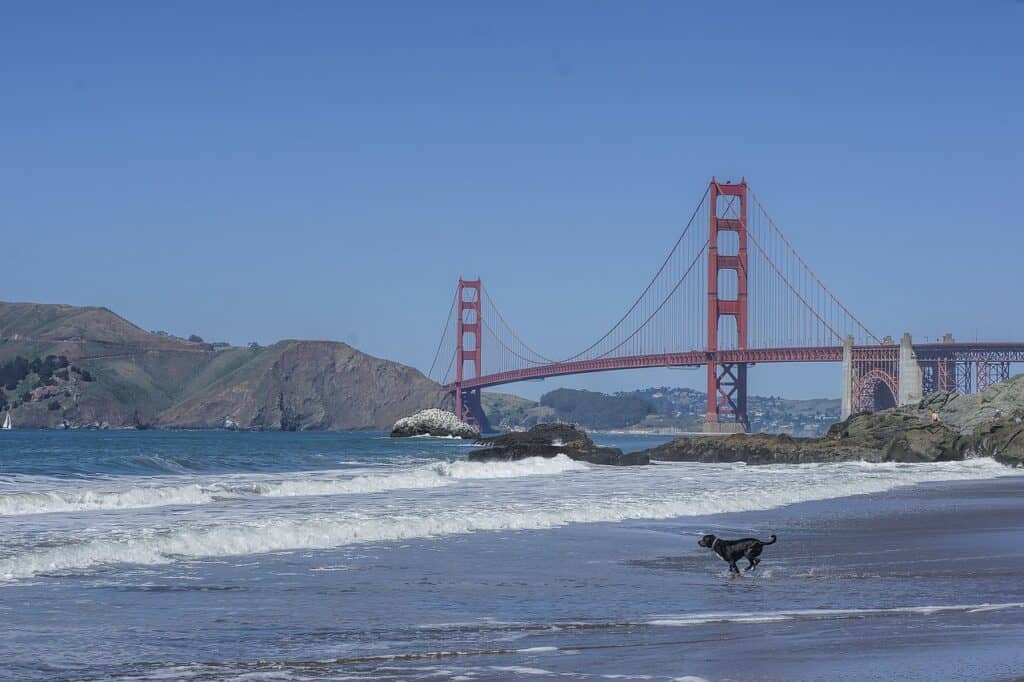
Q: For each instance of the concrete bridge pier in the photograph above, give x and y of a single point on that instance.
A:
(847, 392)
(905, 375)
(911, 376)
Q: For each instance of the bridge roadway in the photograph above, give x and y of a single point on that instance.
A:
(929, 352)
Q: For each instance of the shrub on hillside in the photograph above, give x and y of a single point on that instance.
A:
(597, 410)
(13, 371)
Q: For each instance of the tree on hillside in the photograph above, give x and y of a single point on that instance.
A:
(195, 338)
(13, 371)
(597, 410)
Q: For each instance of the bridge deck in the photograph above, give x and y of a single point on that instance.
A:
(954, 352)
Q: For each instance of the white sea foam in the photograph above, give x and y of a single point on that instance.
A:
(216, 489)
(824, 614)
(47, 501)
(607, 495)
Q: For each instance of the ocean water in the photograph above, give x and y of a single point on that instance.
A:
(221, 555)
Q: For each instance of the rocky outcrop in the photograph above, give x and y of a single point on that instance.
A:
(880, 437)
(967, 413)
(941, 427)
(548, 440)
(1002, 440)
(433, 422)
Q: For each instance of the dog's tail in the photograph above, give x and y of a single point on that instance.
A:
(770, 542)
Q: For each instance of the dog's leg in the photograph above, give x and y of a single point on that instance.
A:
(733, 568)
(752, 553)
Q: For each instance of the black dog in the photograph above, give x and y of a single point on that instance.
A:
(732, 551)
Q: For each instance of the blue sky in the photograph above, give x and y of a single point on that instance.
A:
(263, 170)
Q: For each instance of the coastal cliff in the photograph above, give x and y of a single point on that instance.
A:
(131, 378)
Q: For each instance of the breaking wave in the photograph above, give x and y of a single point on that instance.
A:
(598, 497)
(433, 475)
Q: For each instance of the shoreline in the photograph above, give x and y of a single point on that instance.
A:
(398, 563)
(919, 582)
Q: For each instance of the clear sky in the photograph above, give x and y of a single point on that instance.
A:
(266, 170)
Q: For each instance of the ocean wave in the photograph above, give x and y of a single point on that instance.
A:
(480, 514)
(437, 474)
(52, 501)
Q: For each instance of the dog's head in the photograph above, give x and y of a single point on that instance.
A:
(707, 541)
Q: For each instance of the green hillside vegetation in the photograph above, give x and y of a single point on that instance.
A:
(506, 411)
(597, 410)
(154, 378)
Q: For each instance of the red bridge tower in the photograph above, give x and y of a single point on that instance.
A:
(727, 382)
(468, 349)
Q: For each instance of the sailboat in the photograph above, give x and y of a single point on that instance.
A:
(7, 426)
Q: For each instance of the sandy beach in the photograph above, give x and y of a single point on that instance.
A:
(920, 583)
(292, 575)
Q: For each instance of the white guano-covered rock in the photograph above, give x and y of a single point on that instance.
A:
(433, 422)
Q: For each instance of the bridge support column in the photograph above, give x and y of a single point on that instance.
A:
(911, 378)
(468, 350)
(989, 373)
(727, 382)
(470, 409)
(847, 394)
(727, 398)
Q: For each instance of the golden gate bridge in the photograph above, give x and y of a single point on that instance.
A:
(732, 292)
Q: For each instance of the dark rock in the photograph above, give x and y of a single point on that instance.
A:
(1000, 440)
(548, 440)
(968, 413)
(888, 436)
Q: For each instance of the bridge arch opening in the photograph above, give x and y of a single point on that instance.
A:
(882, 396)
(876, 390)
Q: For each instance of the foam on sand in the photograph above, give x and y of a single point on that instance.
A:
(825, 614)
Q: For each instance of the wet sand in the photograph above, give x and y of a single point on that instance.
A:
(919, 583)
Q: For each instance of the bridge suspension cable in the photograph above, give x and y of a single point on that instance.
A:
(787, 304)
(652, 299)
(446, 346)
